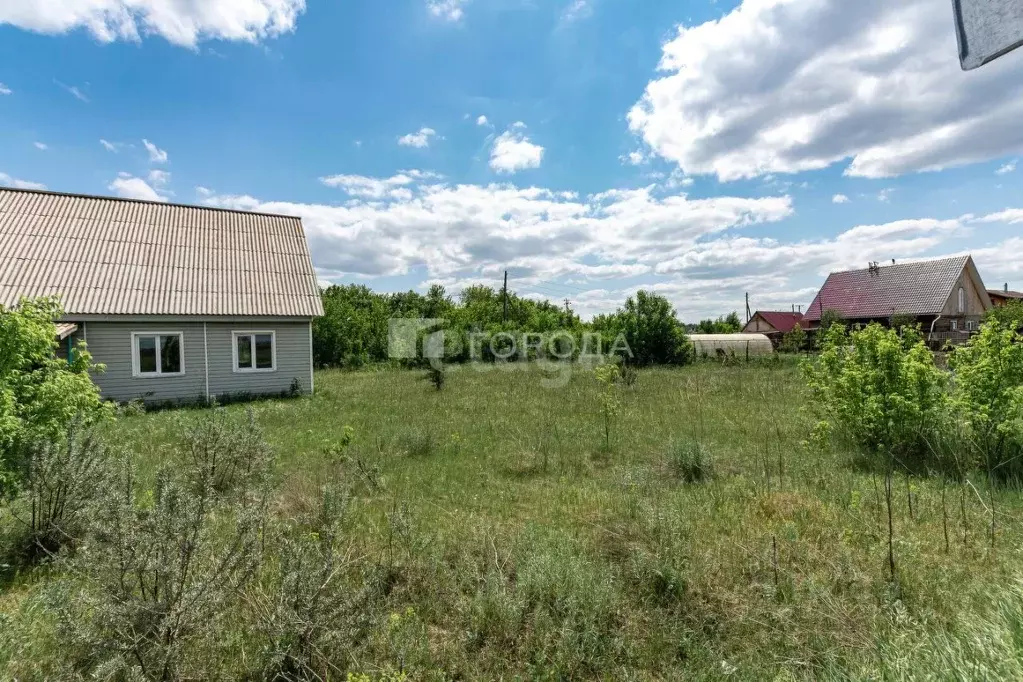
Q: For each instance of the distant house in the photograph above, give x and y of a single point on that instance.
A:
(1000, 297)
(772, 322)
(945, 296)
(179, 302)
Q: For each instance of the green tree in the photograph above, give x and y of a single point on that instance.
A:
(1008, 315)
(40, 395)
(725, 324)
(649, 325)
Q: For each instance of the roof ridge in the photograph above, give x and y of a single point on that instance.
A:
(102, 197)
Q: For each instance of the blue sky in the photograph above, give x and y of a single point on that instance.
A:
(590, 147)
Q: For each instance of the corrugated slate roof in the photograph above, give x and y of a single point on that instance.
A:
(919, 288)
(66, 329)
(1005, 293)
(107, 256)
(782, 320)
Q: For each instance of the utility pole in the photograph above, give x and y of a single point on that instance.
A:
(505, 296)
(747, 308)
(568, 313)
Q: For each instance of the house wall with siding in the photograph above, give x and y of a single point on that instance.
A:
(110, 343)
(293, 359)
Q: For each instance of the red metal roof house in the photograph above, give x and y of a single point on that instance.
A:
(945, 295)
(772, 322)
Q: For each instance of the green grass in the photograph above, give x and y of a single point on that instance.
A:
(529, 550)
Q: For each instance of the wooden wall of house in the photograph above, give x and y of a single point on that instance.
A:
(974, 305)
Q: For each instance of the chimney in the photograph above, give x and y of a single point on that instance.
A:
(1007, 286)
(893, 261)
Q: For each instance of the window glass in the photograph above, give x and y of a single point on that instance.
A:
(244, 342)
(170, 354)
(147, 354)
(962, 299)
(264, 351)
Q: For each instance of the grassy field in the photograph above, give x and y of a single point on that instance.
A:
(520, 546)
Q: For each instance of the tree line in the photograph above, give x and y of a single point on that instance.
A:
(354, 328)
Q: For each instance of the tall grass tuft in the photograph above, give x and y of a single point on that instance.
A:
(689, 461)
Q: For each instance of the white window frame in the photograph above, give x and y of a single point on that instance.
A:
(955, 325)
(962, 300)
(969, 325)
(252, 344)
(137, 372)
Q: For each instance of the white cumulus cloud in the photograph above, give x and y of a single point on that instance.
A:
(781, 86)
(840, 199)
(159, 178)
(42, 146)
(156, 155)
(4, 90)
(127, 186)
(449, 10)
(1006, 168)
(389, 225)
(513, 151)
(8, 181)
(184, 23)
(482, 121)
(418, 139)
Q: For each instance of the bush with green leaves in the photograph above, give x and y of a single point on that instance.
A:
(40, 395)
(794, 340)
(988, 393)
(881, 390)
(649, 325)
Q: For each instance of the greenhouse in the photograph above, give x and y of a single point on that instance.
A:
(739, 345)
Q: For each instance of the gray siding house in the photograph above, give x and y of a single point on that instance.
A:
(179, 302)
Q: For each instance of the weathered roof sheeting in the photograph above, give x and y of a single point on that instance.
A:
(919, 288)
(66, 329)
(106, 256)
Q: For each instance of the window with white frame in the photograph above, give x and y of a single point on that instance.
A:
(962, 300)
(255, 351)
(955, 325)
(156, 354)
(970, 325)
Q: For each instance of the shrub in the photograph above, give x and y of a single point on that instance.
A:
(155, 578)
(794, 340)
(436, 376)
(882, 390)
(689, 461)
(61, 480)
(40, 395)
(311, 604)
(147, 593)
(608, 375)
(225, 455)
(988, 392)
(629, 374)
